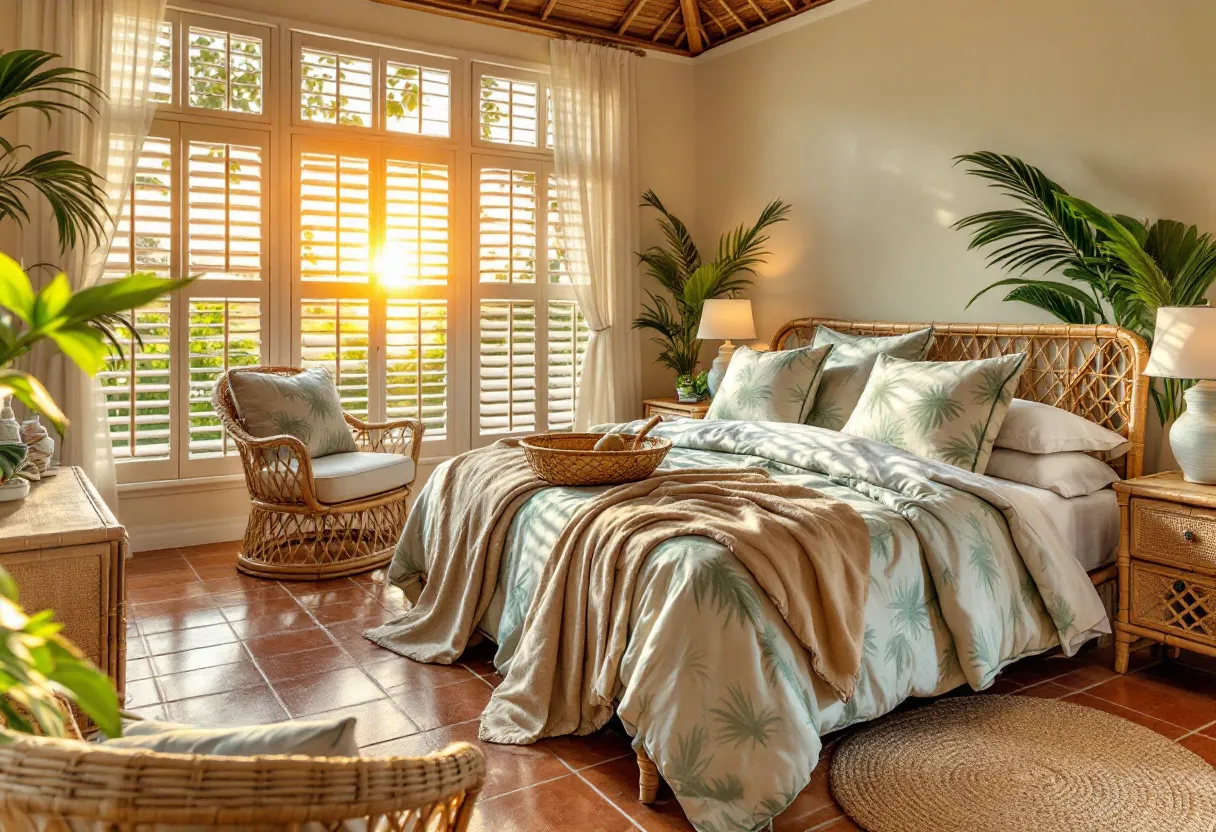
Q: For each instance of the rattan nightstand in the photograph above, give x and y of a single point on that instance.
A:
(1167, 565)
(674, 408)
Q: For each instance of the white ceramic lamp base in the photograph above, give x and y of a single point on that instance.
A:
(717, 370)
(1193, 436)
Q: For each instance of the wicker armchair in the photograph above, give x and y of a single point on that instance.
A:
(52, 785)
(292, 534)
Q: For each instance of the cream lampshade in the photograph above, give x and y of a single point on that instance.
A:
(725, 319)
(1184, 346)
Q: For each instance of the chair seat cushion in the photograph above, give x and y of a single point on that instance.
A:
(327, 738)
(350, 476)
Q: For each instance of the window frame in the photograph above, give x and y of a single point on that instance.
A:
(280, 291)
(186, 19)
(478, 69)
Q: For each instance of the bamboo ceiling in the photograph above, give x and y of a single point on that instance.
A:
(646, 24)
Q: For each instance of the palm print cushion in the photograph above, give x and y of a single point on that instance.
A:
(305, 406)
(950, 411)
(770, 386)
(848, 368)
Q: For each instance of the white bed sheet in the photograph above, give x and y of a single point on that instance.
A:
(1089, 524)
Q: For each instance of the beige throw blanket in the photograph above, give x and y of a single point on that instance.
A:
(808, 552)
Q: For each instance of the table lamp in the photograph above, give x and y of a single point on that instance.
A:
(1184, 346)
(724, 319)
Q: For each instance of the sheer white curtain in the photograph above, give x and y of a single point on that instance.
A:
(594, 155)
(114, 40)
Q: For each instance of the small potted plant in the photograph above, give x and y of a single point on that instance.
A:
(693, 388)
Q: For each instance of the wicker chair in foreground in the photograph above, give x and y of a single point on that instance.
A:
(314, 519)
(52, 785)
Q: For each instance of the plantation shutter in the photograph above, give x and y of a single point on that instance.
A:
(507, 378)
(334, 334)
(530, 335)
(136, 384)
(508, 108)
(225, 66)
(374, 278)
(225, 233)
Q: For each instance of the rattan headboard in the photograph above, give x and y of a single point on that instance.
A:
(1093, 371)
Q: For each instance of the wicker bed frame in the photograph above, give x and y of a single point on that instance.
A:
(1096, 372)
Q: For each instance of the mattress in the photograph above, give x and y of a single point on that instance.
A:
(1089, 524)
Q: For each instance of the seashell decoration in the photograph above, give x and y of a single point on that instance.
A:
(40, 443)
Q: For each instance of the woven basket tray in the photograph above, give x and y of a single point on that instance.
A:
(567, 459)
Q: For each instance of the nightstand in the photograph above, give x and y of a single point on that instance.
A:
(1167, 565)
(674, 408)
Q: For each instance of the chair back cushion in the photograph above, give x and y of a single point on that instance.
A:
(305, 406)
(327, 738)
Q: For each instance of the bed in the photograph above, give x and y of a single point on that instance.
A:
(967, 575)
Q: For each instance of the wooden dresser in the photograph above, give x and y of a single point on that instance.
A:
(66, 552)
(1167, 565)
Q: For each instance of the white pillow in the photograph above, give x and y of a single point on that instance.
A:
(324, 738)
(1037, 428)
(1068, 473)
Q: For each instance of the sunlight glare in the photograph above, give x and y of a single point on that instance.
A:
(397, 265)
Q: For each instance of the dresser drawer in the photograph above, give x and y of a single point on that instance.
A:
(1171, 533)
(1173, 601)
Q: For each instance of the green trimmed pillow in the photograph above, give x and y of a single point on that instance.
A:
(305, 406)
(950, 411)
(769, 386)
(849, 365)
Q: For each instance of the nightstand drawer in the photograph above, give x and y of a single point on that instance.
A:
(1173, 601)
(1174, 534)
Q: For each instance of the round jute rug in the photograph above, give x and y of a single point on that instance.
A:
(1018, 763)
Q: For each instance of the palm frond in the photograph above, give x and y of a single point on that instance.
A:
(909, 611)
(21, 75)
(934, 407)
(680, 241)
(741, 721)
(716, 580)
(73, 191)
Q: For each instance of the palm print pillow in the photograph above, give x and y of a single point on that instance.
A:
(305, 405)
(950, 411)
(849, 365)
(769, 386)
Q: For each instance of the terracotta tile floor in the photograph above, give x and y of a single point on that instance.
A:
(211, 647)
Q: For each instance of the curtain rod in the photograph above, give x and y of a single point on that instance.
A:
(610, 44)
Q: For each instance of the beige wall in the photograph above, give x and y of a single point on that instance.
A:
(854, 119)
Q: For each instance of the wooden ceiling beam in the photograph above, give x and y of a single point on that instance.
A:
(502, 5)
(658, 33)
(630, 13)
(692, 25)
(713, 17)
(548, 9)
(734, 16)
(757, 10)
(789, 5)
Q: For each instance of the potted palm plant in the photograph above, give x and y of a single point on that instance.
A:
(679, 270)
(40, 670)
(1116, 269)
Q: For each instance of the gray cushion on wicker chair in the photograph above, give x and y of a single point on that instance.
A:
(305, 406)
(325, 738)
(351, 476)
